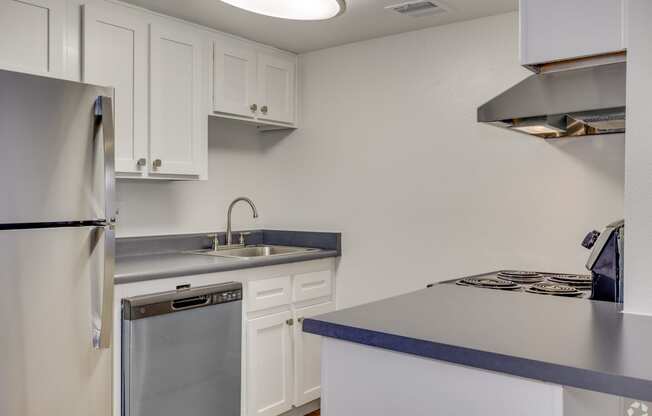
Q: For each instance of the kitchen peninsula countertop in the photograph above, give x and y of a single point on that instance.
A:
(573, 342)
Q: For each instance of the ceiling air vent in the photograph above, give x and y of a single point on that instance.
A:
(418, 8)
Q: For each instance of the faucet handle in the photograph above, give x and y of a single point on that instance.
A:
(242, 237)
(216, 240)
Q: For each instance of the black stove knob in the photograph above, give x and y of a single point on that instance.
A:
(590, 239)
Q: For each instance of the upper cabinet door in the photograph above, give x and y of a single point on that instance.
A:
(115, 54)
(276, 88)
(32, 36)
(234, 78)
(553, 30)
(176, 100)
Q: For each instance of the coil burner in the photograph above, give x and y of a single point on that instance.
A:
(520, 277)
(578, 281)
(489, 283)
(554, 289)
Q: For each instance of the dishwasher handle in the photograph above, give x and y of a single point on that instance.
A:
(190, 303)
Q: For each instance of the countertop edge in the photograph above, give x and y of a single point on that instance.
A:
(517, 366)
(223, 267)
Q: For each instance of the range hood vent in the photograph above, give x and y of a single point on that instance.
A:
(577, 102)
(418, 8)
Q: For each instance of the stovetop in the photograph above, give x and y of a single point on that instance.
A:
(539, 283)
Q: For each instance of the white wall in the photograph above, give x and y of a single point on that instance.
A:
(389, 153)
(236, 164)
(638, 192)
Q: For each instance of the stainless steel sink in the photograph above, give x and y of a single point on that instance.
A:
(255, 251)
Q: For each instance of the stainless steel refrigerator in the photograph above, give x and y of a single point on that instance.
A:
(57, 218)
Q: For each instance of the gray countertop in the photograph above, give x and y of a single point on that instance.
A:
(130, 269)
(148, 258)
(573, 342)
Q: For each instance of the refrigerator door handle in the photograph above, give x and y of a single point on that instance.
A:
(104, 118)
(102, 335)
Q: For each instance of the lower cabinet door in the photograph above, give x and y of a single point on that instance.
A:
(307, 356)
(269, 364)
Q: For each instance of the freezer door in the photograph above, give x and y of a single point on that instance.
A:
(52, 163)
(50, 307)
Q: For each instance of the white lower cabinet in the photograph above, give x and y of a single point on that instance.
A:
(284, 363)
(269, 357)
(280, 364)
(307, 355)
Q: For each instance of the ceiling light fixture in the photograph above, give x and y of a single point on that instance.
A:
(293, 9)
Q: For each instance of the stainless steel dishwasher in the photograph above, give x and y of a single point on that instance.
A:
(181, 352)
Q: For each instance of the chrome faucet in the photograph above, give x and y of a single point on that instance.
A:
(229, 238)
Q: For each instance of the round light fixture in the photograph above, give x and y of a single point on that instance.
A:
(293, 9)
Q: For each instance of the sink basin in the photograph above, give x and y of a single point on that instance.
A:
(255, 251)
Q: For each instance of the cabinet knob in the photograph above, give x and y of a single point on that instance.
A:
(253, 107)
(264, 109)
(141, 162)
(290, 322)
(157, 163)
(300, 320)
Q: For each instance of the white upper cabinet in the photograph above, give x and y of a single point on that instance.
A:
(254, 84)
(115, 54)
(276, 88)
(234, 78)
(32, 35)
(176, 106)
(156, 69)
(168, 77)
(554, 30)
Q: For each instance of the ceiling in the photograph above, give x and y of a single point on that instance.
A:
(363, 19)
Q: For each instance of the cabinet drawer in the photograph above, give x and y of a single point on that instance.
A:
(268, 293)
(312, 285)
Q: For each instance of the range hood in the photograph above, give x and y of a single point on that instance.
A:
(576, 102)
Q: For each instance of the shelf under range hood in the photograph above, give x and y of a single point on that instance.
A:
(576, 102)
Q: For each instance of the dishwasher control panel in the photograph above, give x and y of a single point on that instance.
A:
(230, 296)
